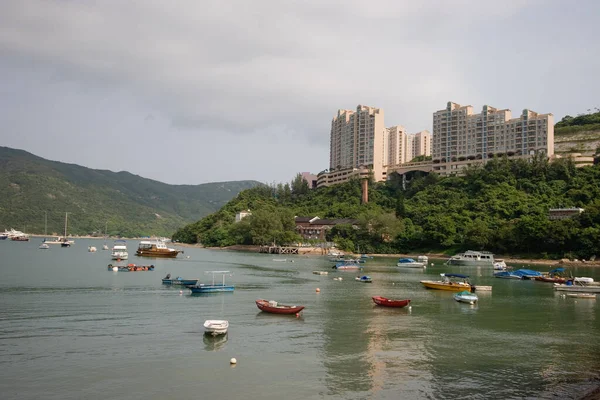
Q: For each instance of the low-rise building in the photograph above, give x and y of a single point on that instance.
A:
(564, 213)
(241, 215)
(315, 228)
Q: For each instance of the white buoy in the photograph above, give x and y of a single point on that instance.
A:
(181, 292)
(432, 264)
(233, 361)
(115, 269)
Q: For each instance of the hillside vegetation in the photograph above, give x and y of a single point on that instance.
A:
(32, 188)
(501, 207)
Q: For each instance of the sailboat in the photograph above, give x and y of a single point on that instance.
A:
(105, 246)
(63, 241)
(44, 245)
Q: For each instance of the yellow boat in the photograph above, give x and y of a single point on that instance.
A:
(449, 284)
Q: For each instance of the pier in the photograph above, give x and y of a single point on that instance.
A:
(278, 250)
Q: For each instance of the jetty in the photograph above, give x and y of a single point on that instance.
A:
(278, 250)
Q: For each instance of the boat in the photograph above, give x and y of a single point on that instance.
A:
(451, 282)
(130, 268)
(156, 248)
(518, 274)
(471, 257)
(119, 250)
(167, 280)
(43, 246)
(271, 306)
(582, 295)
(214, 287)
(580, 285)
(364, 278)
(500, 265)
(557, 275)
(216, 327)
(92, 249)
(20, 238)
(104, 247)
(385, 302)
(320, 272)
(466, 297)
(347, 265)
(410, 263)
(59, 240)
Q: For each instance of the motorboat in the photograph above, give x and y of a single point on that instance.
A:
(385, 302)
(557, 275)
(156, 248)
(320, 272)
(347, 265)
(500, 265)
(216, 327)
(214, 287)
(410, 263)
(43, 246)
(364, 278)
(271, 306)
(470, 257)
(167, 280)
(92, 249)
(466, 297)
(450, 282)
(59, 240)
(579, 285)
(119, 250)
(518, 274)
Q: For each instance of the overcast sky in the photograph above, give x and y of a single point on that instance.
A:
(195, 91)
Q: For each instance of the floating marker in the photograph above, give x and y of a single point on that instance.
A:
(318, 290)
(233, 361)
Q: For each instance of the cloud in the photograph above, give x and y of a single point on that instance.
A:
(263, 67)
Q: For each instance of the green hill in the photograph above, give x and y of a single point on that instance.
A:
(32, 188)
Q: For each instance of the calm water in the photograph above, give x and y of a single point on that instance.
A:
(70, 329)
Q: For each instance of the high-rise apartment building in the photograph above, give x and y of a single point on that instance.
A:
(396, 139)
(358, 140)
(459, 136)
(421, 145)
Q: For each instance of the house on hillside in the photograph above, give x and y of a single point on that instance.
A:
(241, 215)
(564, 213)
(316, 228)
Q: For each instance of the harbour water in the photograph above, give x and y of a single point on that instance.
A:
(70, 329)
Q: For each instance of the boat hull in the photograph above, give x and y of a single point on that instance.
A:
(130, 268)
(416, 264)
(157, 254)
(451, 286)
(573, 288)
(197, 289)
(469, 299)
(263, 305)
(548, 279)
(184, 282)
(384, 302)
(216, 327)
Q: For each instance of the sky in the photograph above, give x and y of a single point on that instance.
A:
(195, 91)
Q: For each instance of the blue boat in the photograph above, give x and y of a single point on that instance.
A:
(364, 278)
(214, 287)
(348, 265)
(518, 274)
(410, 263)
(178, 281)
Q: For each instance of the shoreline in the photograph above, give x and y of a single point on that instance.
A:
(318, 251)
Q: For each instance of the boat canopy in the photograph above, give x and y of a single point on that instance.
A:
(527, 272)
(555, 270)
(406, 260)
(455, 275)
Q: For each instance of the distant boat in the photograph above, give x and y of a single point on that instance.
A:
(410, 263)
(385, 302)
(92, 249)
(271, 306)
(156, 248)
(364, 278)
(214, 287)
(347, 265)
(216, 327)
(451, 282)
(43, 246)
(470, 257)
(119, 250)
(466, 297)
(167, 280)
(130, 268)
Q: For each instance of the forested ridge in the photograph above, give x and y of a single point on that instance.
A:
(501, 207)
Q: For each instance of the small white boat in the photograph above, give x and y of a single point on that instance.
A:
(44, 246)
(410, 263)
(216, 327)
(104, 247)
(320, 272)
(466, 297)
(92, 249)
(119, 250)
(499, 265)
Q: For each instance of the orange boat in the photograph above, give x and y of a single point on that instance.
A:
(382, 301)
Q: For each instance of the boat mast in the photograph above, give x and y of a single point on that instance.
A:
(66, 215)
(45, 222)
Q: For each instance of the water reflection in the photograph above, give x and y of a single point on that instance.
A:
(215, 343)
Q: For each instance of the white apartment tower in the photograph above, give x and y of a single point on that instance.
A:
(396, 139)
(421, 145)
(459, 136)
(358, 140)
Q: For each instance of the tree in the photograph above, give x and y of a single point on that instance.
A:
(299, 186)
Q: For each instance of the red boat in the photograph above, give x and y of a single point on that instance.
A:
(275, 308)
(382, 301)
(555, 279)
